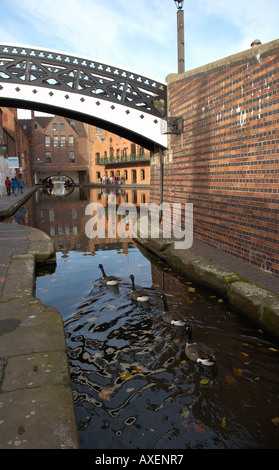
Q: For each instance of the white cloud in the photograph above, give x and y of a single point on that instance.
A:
(111, 32)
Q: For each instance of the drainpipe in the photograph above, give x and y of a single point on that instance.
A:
(161, 183)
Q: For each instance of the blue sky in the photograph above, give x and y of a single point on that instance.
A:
(140, 35)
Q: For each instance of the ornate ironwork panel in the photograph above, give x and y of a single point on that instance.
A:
(55, 70)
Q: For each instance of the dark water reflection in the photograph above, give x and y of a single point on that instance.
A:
(132, 384)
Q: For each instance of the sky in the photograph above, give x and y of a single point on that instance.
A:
(140, 35)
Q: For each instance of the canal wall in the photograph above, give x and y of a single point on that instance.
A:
(226, 160)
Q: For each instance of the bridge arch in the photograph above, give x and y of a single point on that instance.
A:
(105, 96)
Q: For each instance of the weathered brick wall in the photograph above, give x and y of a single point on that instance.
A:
(226, 162)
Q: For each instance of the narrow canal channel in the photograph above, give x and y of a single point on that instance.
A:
(133, 386)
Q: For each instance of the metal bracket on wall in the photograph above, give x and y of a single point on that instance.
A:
(172, 125)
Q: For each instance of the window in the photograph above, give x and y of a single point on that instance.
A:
(55, 141)
(125, 174)
(47, 141)
(62, 126)
(142, 174)
(55, 126)
(98, 131)
(71, 157)
(63, 141)
(97, 158)
(71, 140)
(48, 157)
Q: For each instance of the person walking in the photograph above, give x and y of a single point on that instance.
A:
(15, 186)
(8, 185)
(21, 185)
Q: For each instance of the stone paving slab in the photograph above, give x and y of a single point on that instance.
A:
(36, 370)
(29, 326)
(38, 418)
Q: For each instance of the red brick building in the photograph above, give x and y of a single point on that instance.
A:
(117, 157)
(59, 146)
(84, 153)
(14, 142)
(226, 162)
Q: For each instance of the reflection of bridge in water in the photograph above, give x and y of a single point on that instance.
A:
(64, 219)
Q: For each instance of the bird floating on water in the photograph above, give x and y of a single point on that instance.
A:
(138, 294)
(198, 352)
(171, 316)
(108, 280)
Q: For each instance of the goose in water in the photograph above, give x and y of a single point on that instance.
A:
(198, 352)
(108, 280)
(138, 294)
(171, 316)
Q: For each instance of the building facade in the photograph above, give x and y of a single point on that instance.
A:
(59, 146)
(117, 157)
(15, 158)
(83, 153)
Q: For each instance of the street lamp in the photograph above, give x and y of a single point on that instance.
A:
(179, 4)
(180, 35)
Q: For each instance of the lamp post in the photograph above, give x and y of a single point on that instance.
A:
(180, 35)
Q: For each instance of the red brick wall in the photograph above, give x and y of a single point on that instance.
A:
(226, 162)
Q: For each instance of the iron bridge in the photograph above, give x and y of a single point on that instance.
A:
(122, 102)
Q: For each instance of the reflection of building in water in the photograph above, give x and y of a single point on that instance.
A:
(64, 219)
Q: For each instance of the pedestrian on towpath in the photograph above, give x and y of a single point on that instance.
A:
(21, 185)
(8, 185)
(15, 186)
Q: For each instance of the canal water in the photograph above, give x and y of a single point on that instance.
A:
(132, 384)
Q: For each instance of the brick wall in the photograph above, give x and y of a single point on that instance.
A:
(226, 162)
(18, 145)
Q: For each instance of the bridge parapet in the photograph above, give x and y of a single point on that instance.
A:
(57, 70)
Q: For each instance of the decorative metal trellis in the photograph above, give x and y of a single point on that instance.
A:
(58, 71)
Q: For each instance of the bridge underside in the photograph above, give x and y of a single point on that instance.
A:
(143, 129)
